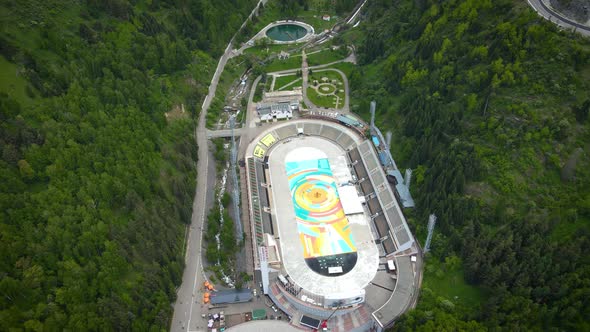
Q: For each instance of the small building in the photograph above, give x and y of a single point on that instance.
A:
(395, 177)
(284, 55)
(348, 120)
(280, 110)
(310, 322)
(231, 296)
(326, 17)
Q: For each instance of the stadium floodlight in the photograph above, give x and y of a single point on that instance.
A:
(431, 223)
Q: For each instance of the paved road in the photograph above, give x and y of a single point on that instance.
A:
(561, 20)
(223, 133)
(188, 307)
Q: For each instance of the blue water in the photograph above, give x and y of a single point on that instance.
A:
(286, 32)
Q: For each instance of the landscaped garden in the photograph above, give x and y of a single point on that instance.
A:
(326, 89)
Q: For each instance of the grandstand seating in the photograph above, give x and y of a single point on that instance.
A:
(331, 132)
(286, 131)
(255, 199)
(312, 128)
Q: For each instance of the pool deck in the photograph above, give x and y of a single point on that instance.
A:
(290, 246)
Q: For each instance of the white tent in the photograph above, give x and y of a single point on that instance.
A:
(351, 203)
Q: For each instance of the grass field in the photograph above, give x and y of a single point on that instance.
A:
(319, 100)
(326, 56)
(345, 67)
(278, 65)
(264, 51)
(446, 280)
(314, 18)
(284, 80)
(330, 74)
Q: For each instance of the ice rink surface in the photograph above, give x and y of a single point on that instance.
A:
(284, 213)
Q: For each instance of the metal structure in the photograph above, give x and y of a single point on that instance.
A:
(376, 132)
(373, 105)
(388, 139)
(408, 178)
(403, 185)
(431, 223)
(234, 177)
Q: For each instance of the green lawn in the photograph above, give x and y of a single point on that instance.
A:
(345, 67)
(278, 65)
(326, 56)
(284, 80)
(319, 73)
(12, 83)
(319, 100)
(314, 18)
(264, 51)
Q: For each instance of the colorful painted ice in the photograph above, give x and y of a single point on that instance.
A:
(321, 222)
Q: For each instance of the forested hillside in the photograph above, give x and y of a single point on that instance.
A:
(489, 105)
(97, 168)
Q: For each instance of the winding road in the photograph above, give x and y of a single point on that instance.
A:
(561, 20)
(188, 307)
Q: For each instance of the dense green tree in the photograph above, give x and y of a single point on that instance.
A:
(96, 185)
(496, 131)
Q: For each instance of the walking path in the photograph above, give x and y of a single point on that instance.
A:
(305, 78)
(289, 84)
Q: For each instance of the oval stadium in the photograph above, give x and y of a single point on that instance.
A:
(330, 242)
